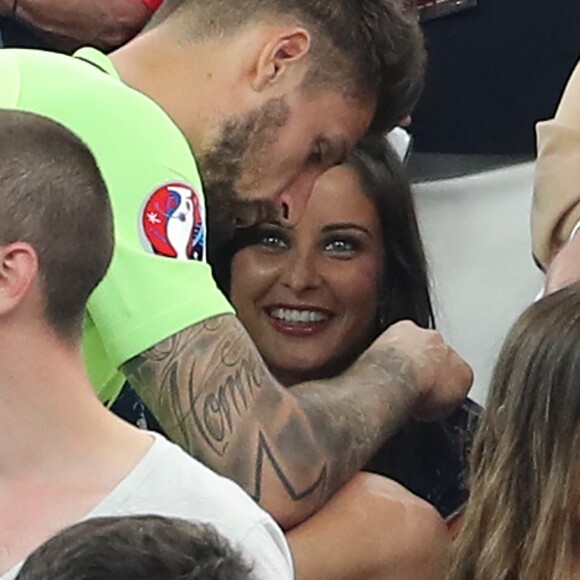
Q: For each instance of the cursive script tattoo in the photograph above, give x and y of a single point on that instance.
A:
(290, 449)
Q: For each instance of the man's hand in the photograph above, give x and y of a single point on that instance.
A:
(564, 268)
(69, 24)
(442, 377)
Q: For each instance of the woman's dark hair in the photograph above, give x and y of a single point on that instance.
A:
(405, 292)
(405, 285)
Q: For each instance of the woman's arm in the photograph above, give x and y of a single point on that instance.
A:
(371, 529)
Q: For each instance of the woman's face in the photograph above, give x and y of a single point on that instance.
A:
(308, 295)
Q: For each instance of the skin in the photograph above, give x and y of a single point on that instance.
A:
(241, 74)
(311, 268)
(564, 268)
(63, 443)
(315, 264)
(68, 24)
(372, 529)
(208, 385)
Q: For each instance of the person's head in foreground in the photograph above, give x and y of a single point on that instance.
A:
(136, 548)
(68, 457)
(277, 91)
(315, 295)
(522, 520)
(56, 232)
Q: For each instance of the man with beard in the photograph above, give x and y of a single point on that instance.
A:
(267, 94)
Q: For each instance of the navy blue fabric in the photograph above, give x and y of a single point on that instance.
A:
(431, 459)
(16, 35)
(494, 71)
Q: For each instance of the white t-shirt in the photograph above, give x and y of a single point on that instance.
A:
(168, 482)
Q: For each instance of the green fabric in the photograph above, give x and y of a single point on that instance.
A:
(144, 298)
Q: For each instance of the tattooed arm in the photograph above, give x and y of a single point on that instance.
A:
(290, 449)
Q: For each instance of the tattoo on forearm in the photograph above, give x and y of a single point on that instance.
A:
(189, 377)
(201, 384)
(212, 393)
(265, 454)
(214, 413)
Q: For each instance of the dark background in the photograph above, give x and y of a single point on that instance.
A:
(494, 71)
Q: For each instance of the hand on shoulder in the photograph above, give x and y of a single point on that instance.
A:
(439, 376)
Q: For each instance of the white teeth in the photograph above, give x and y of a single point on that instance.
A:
(299, 316)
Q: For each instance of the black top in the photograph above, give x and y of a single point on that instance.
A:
(431, 459)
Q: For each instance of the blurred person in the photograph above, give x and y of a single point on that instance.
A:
(313, 297)
(67, 457)
(136, 548)
(556, 206)
(67, 24)
(522, 519)
(267, 94)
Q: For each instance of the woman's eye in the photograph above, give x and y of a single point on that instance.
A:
(341, 246)
(273, 242)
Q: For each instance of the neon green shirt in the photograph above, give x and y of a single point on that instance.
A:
(159, 282)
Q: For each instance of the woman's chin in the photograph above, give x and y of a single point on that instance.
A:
(292, 372)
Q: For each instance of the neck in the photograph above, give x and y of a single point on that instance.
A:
(179, 77)
(47, 406)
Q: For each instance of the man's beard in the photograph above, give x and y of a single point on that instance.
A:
(240, 148)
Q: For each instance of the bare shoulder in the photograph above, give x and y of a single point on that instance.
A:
(414, 538)
(394, 499)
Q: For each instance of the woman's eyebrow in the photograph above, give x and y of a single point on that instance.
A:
(338, 226)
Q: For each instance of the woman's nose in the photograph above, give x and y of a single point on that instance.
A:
(301, 273)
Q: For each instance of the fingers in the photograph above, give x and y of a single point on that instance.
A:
(451, 383)
(442, 377)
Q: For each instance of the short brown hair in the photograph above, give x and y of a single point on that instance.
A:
(136, 548)
(53, 197)
(360, 46)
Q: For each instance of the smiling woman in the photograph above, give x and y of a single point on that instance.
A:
(308, 294)
(313, 296)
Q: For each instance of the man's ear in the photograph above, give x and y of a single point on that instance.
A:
(18, 272)
(279, 56)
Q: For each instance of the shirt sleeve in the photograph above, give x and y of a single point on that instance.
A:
(149, 294)
(556, 203)
(265, 548)
(158, 283)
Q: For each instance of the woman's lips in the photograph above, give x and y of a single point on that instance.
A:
(298, 321)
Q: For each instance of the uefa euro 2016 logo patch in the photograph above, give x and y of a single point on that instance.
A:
(173, 223)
